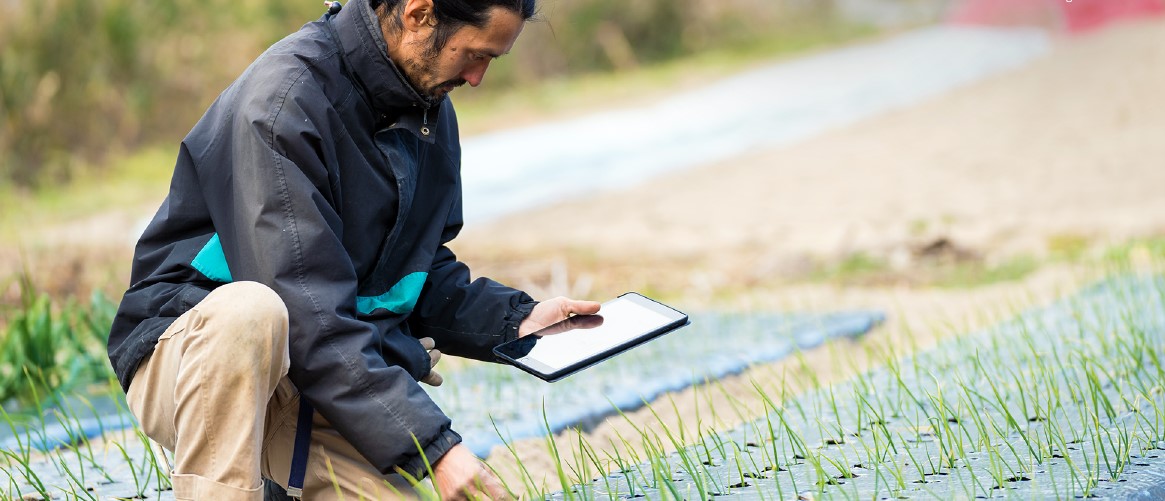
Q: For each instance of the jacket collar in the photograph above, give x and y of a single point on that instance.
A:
(365, 52)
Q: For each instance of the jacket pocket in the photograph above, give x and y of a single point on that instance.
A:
(190, 296)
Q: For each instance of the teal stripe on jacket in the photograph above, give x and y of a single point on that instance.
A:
(400, 299)
(212, 262)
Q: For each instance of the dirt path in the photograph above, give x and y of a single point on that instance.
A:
(1069, 148)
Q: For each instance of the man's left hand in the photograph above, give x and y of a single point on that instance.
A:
(555, 310)
(434, 378)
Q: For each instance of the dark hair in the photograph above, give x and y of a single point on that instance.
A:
(452, 15)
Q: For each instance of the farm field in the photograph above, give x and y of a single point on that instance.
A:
(1060, 402)
(494, 403)
(1057, 401)
(1001, 244)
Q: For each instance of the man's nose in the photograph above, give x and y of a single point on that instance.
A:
(474, 74)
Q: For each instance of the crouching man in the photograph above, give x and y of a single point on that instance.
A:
(295, 285)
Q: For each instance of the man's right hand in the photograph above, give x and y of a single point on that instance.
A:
(459, 475)
(551, 311)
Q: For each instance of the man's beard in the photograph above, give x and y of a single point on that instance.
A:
(421, 74)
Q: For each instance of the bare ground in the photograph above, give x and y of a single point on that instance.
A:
(1068, 147)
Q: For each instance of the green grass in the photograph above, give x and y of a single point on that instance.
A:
(863, 268)
(974, 274)
(48, 348)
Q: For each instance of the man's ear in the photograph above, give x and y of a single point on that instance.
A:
(418, 15)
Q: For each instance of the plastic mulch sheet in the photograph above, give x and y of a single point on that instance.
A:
(1062, 402)
(713, 346)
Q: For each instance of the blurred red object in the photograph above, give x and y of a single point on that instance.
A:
(1069, 15)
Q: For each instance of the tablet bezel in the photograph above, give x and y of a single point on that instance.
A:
(677, 319)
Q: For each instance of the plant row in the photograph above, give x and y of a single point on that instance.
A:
(1060, 402)
(52, 348)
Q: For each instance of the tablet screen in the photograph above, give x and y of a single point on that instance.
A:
(622, 321)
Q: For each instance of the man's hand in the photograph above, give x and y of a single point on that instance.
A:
(433, 379)
(555, 310)
(459, 475)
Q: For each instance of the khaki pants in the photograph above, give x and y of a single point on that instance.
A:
(215, 392)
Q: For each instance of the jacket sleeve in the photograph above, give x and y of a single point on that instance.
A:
(265, 177)
(466, 317)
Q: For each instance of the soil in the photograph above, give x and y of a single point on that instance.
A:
(1065, 149)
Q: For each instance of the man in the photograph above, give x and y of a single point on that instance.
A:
(285, 298)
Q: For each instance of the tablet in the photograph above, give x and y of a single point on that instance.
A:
(584, 340)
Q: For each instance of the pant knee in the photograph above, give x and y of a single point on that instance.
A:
(250, 319)
(254, 300)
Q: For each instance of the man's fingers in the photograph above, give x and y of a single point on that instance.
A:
(581, 307)
(495, 489)
(549, 312)
(427, 343)
(487, 486)
(433, 379)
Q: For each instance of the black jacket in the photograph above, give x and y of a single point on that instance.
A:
(323, 174)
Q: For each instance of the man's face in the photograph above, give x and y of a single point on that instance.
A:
(464, 58)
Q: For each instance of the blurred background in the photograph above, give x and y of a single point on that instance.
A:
(95, 96)
(86, 80)
(706, 153)
(933, 163)
(98, 94)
